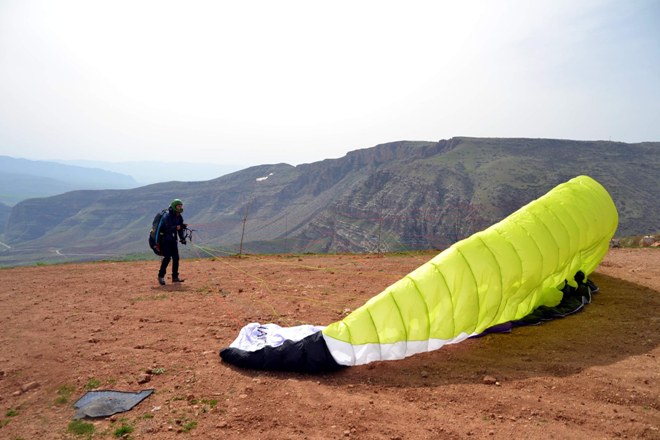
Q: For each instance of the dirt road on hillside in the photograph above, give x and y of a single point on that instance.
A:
(73, 327)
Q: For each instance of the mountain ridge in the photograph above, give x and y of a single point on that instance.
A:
(24, 178)
(399, 195)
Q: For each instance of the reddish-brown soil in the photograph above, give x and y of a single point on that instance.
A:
(67, 328)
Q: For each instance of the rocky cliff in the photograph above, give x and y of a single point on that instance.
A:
(401, 195)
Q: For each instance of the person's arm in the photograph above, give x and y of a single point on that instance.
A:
(181, 230)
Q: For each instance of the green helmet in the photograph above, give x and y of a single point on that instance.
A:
(177, 205)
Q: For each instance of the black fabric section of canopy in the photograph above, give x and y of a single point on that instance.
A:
(574, 300)
(308, 355)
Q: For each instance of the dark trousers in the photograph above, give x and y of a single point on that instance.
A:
(170, 252)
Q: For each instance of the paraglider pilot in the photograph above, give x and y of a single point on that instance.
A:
(173, 228)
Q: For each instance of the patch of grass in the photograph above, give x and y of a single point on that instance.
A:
(188, 426)
(123, 430)
(92, 383)
(11, 412)
(147, 416)
(64, 394)
(78, 427)
(212, 402)
(158, 370)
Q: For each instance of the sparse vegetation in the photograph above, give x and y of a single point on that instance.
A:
(64, 393)
(92, 384)
(123, 430)
(79, 427)
(188, 426)
(11, 412)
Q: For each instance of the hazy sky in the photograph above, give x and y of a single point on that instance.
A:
(254, 82)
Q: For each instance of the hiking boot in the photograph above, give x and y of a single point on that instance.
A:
(177, 280)
(161, 281)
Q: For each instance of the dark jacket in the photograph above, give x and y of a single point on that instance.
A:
(170, 221)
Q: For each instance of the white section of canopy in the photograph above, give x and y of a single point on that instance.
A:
(348, 354)
(255, 336)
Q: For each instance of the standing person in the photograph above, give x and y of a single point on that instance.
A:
(173, 231)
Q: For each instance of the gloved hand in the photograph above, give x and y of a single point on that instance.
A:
(183, 241)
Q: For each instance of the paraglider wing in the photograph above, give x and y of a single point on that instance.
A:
(498, 275)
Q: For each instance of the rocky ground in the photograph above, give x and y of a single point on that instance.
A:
(69, 328)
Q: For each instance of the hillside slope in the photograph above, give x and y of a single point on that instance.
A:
(401, 195)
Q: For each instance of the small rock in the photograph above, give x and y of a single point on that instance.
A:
(29, 386)
(144, 378)
(489, 380)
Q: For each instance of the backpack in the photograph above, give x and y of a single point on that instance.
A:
(155, 235)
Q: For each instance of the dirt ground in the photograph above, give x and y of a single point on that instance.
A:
(73, 327)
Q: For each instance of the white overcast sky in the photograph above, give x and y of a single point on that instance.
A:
(255, 82)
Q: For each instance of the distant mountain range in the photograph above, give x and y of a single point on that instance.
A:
(148, 172)
(22, 179)
(395, 196)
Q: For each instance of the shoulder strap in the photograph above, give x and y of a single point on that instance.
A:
(162, 216)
